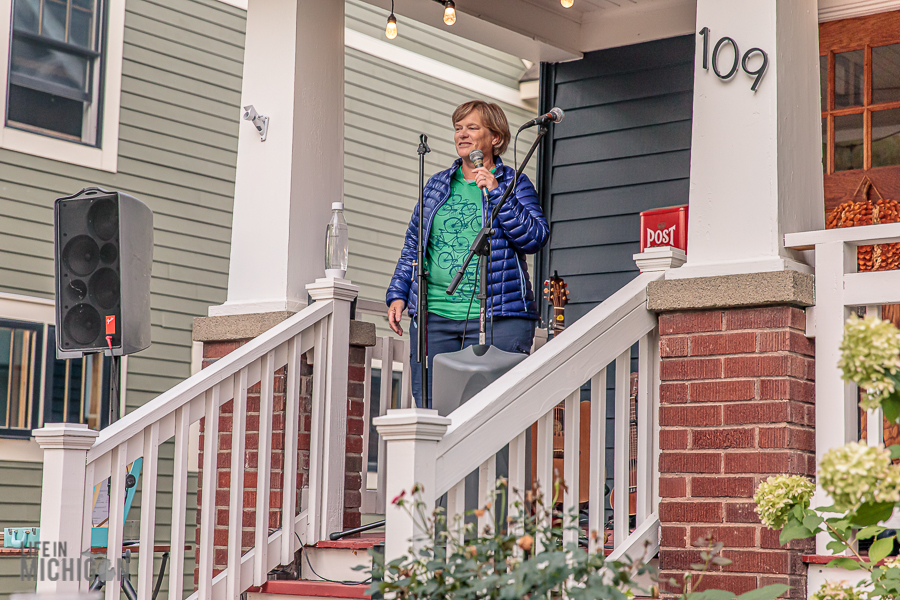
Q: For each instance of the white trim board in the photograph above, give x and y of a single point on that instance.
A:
(433, 68)
(833, 10)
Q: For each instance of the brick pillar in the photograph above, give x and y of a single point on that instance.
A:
(361, 335)
(736, 406)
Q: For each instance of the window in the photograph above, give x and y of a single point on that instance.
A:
(860, 95)
(61, 79)
(20, 350)
(75, 390)
(861, 106)
(53, 69)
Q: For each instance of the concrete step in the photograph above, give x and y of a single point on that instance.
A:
(335, 561)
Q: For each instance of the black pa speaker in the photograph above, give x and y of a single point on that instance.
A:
(103, 257)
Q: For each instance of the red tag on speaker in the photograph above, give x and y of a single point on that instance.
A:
(110, 324)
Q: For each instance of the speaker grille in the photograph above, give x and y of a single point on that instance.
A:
(82, 324)
(103, 219)
(81, 255)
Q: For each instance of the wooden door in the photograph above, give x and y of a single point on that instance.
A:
(860, 76)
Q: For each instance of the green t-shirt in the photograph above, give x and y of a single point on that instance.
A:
(453, 229)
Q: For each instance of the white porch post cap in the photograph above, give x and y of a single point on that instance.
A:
(65, 436)
(328, 288)
(412, 424)
(660, 258)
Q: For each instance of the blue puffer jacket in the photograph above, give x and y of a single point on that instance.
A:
(520, 229)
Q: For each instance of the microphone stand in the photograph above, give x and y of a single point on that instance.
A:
(481, 245)
(421, 278)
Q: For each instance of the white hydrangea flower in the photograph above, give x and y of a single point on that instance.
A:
(776, 496)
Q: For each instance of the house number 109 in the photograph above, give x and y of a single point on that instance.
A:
(758, 73)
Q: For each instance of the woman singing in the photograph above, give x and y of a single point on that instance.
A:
(454, 212)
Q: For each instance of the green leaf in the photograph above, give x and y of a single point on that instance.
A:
(844, 563)
(793, 532)
(891, 407)
(873, 513)
(881, 548)
(812, 522)
(768, 592)
(868, 532)
(895, 451)
(836, 546)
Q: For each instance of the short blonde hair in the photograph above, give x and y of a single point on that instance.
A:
(492, 116)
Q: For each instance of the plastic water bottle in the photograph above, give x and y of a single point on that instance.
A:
(337, 243)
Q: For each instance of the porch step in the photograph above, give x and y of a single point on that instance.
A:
(307, 590)
(336, 560)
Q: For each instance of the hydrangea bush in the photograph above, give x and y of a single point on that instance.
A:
(861, 480)
(524, 558)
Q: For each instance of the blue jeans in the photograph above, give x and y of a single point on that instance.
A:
(512, 334)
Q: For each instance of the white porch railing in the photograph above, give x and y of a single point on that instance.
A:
(387, 354)
(840, 288)
(439, 452)
(322, 330)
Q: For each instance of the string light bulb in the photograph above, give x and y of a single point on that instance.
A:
(449, 12)
(390, 31)
(567, 3)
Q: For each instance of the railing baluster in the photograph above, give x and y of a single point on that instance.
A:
(406, 397)
(596, 508)
(620, 455)
(315, 444)
(456, 509)
(208, 506)
(384, 405)
(233, 588)
(545, 469)
(264, 469)
(291, 432)
(645, 432)
(487, 482)
(115, 523)
(571, 463)
(148, 512)
(516, 485)
(368, 497)
(179, 501)
(387, 372)
(87, 518)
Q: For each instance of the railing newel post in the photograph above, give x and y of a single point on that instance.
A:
(411, 437)
(65, 447)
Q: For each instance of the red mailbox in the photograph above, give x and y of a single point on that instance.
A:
(664, 227)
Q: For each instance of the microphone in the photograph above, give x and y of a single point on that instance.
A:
(477, 158)
(554, 116)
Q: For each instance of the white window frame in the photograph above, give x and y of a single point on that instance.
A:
(103, 157)
(43, 311)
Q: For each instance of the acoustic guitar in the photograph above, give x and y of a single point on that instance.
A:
(556, 293)
(632, 449)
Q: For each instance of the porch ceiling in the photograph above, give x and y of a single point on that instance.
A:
(542, 30)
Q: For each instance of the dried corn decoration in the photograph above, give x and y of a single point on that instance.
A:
(854, 213)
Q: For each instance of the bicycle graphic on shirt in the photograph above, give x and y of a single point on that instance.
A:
(452, 242)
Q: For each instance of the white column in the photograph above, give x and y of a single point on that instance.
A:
(756, 157)
(411, 436)
(284, 187)
(334, 433)
(65, 447)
